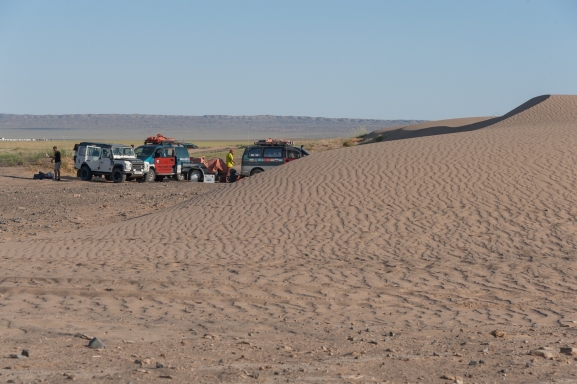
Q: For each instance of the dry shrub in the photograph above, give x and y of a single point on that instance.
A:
(360, 132)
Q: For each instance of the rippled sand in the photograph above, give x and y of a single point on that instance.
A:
(463, 231)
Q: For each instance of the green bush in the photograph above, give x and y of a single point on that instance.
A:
(379, 138)
(10, 159)
(33, 158)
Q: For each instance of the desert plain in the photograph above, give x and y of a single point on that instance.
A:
(445, 253)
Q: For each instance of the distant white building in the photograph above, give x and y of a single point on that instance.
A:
(5, 139)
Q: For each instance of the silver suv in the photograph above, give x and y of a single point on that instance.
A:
(115, 162)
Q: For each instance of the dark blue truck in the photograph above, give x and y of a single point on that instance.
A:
(169, 160)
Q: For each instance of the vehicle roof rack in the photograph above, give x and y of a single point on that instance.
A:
(159, 139)
(273, 142)
(177, 143)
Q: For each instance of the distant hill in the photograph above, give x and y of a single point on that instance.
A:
(211, 127)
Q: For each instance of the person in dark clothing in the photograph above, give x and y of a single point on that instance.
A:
(57, 162)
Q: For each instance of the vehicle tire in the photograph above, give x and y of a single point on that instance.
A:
(118, 176)
(159, 178)
(150, 176)
(179, 177)
(85, 173)
(195, 176)
(255, 171)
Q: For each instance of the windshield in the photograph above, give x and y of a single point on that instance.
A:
(122, 152)
(144, 151)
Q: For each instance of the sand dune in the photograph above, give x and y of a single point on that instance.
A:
(539, 110)
(473, 229)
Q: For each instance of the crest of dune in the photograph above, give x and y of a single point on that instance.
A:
(546, 109)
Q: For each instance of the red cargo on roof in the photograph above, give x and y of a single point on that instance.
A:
(158, 139)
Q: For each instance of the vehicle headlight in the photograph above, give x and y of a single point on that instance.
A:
(127, 165)
(146, 166)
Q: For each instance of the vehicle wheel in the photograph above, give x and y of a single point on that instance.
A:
(150, 176)
(179, 177)
(118, 176)
(85, 173)
(107, 177)
(195, 175)
(255, 171)
(159, 178)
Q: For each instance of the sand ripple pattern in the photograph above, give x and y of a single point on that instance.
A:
(466, 228)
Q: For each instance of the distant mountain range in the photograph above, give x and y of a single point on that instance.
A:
(212, 127)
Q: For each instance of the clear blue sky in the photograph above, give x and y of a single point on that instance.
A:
(363, 59)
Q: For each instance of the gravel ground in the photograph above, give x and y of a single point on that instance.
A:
(36, 207)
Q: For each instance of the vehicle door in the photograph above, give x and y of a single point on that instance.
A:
(106, 161)
(164, 161)
(291, 155)
(182, 157)
(251, 158)
(80, 157)
(272, 156)
(93, 157)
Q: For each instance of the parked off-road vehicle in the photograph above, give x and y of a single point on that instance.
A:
(267, 154)
(169, 159)
(115, 162)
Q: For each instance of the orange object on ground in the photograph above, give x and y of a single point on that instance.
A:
(217, 166)
(213, 166)
(158, 139)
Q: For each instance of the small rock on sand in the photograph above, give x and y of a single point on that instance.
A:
(569, 351)
(544, 353)
(498, 333)
(96, 343)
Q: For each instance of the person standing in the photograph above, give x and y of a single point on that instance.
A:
(229, 162)
(57, 162)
